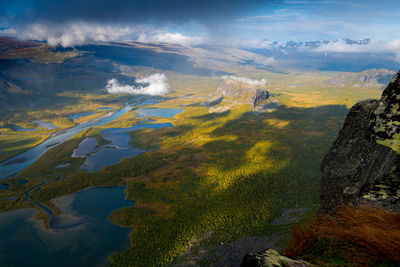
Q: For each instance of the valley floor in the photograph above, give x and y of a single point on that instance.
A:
(214, 178)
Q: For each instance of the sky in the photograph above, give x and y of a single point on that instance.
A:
(240, 23)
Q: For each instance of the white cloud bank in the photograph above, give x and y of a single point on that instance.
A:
(174, 38)
(254, 82)
(155, 84)
(340, 45)
(73, 34)
(81, 33)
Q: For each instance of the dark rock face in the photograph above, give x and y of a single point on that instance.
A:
(260, 97)
(364, 155)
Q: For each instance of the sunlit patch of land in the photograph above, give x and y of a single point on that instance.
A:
(12, 144)
(40, 52)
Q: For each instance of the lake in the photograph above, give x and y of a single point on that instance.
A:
(25, 242)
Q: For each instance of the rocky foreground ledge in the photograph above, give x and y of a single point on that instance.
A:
(362, 167)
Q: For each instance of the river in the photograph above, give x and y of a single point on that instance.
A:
(21, 161)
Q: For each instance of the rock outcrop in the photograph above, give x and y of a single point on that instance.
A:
(363, 164)
(270, 258)
(236, 92)
(242, 93)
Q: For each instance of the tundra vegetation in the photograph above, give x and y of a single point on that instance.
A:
(213, 177)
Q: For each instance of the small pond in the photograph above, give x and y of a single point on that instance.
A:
(119, 147)
(22, 129)
(158, 112)
(46, 125)
(84, 147)
(113, 152)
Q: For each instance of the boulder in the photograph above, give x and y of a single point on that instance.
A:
(270, 258)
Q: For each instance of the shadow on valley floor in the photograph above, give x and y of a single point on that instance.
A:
(214, 178)
(253, 167)
(212, 116)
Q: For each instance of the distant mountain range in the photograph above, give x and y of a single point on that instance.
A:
(310, 45)
(372, 77)
(331, 55)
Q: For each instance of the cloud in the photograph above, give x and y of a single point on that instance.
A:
(72, 34)
(254, 82)
(155, 84)
(81, 33)
(249, 56)
(341, 46)
(241, 43)
(174, 38)
(274, 19)
(69, 35)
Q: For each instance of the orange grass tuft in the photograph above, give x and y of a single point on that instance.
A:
(303, 236)
(373, 230)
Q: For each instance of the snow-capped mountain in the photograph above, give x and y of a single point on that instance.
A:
(309, 45)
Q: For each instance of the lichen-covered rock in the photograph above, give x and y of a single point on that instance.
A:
(270, 258)
(385, 120)
(385, 193)
(365, 154)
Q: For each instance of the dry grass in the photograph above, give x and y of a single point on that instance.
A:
(359, 234)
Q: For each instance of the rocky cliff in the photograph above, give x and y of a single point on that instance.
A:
(363, 164)
(233, 92)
